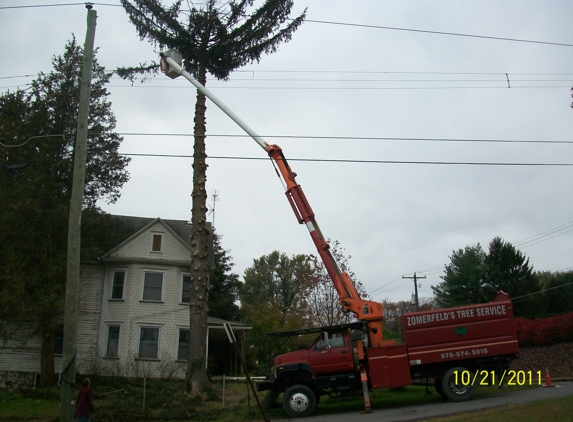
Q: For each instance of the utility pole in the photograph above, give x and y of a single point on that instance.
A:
(415, 278)
(68, 373)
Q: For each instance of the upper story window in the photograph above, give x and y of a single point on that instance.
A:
(186, 289)
(118, 285)
(156, 243)
(152, 286)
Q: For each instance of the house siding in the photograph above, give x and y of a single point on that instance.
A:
(97, 311)
(89, 315)
(135, 257)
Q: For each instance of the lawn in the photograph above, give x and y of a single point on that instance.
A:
(121, 400)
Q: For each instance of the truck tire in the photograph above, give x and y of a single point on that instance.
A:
(299, 401)
(463, 390)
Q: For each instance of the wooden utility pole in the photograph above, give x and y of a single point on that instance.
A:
(415, 278)
(68, 373)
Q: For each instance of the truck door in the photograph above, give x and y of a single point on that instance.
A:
(332, 353)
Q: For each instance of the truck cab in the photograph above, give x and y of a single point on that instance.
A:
(329, 365)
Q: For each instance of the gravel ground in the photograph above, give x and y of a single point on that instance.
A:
(557, 358)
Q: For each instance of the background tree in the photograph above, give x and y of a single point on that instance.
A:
(472, 276)
(508, 269)
(394, 310)
(323, 301)
(36, 181)
(273, 295)
(217, 38)
(557, 297)
(463, 278)
(225, 285)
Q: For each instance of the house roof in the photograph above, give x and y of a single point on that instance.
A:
(181, 228)
(213, 322)
(137, 225)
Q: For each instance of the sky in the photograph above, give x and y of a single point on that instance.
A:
(423, 127)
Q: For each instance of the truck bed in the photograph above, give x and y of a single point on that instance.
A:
(465, 332)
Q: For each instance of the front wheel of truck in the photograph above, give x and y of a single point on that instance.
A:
(299, 401)
(459, 384)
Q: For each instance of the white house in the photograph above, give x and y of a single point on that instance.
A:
(133, 307)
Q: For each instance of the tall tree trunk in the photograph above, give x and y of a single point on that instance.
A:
(47, 375)
(196, 379)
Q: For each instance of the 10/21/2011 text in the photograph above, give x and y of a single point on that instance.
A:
(484, 377)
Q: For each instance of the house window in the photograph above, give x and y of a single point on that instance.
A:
(152, 286)
(149, 342)
(118, 284)
(156, 243)
(112, 341)
(183, 349)
(186, 289)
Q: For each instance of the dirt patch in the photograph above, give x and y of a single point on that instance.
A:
(557, 358)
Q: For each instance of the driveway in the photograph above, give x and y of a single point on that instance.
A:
(432, 410)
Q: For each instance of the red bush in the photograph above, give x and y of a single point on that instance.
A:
(544, 331)
(525, 331)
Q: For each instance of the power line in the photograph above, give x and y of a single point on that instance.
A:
(541, 291)
(331, 88)
(325, 160)
(390, 28)
(403, 72)
(351, 138)
(41, 5)
(542, 240)
(57, 5)
(534, 239)
(438, 32)
(500, 74)
(355, 138)
(537, 237)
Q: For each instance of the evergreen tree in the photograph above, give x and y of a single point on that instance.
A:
(225, 285)
(38, 131)
(213, 37)
(508, 269)
(472, 276)
(557, 297)
(463, 278)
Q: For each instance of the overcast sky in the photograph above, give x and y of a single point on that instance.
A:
(416, 105)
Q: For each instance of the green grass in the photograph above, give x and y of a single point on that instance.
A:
(121, 400)
(18, 406)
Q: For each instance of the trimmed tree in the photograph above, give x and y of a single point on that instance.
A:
(214, 37)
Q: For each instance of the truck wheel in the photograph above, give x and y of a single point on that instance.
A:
(463, 390)
(299, 401)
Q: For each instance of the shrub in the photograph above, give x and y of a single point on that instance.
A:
(544, 331)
